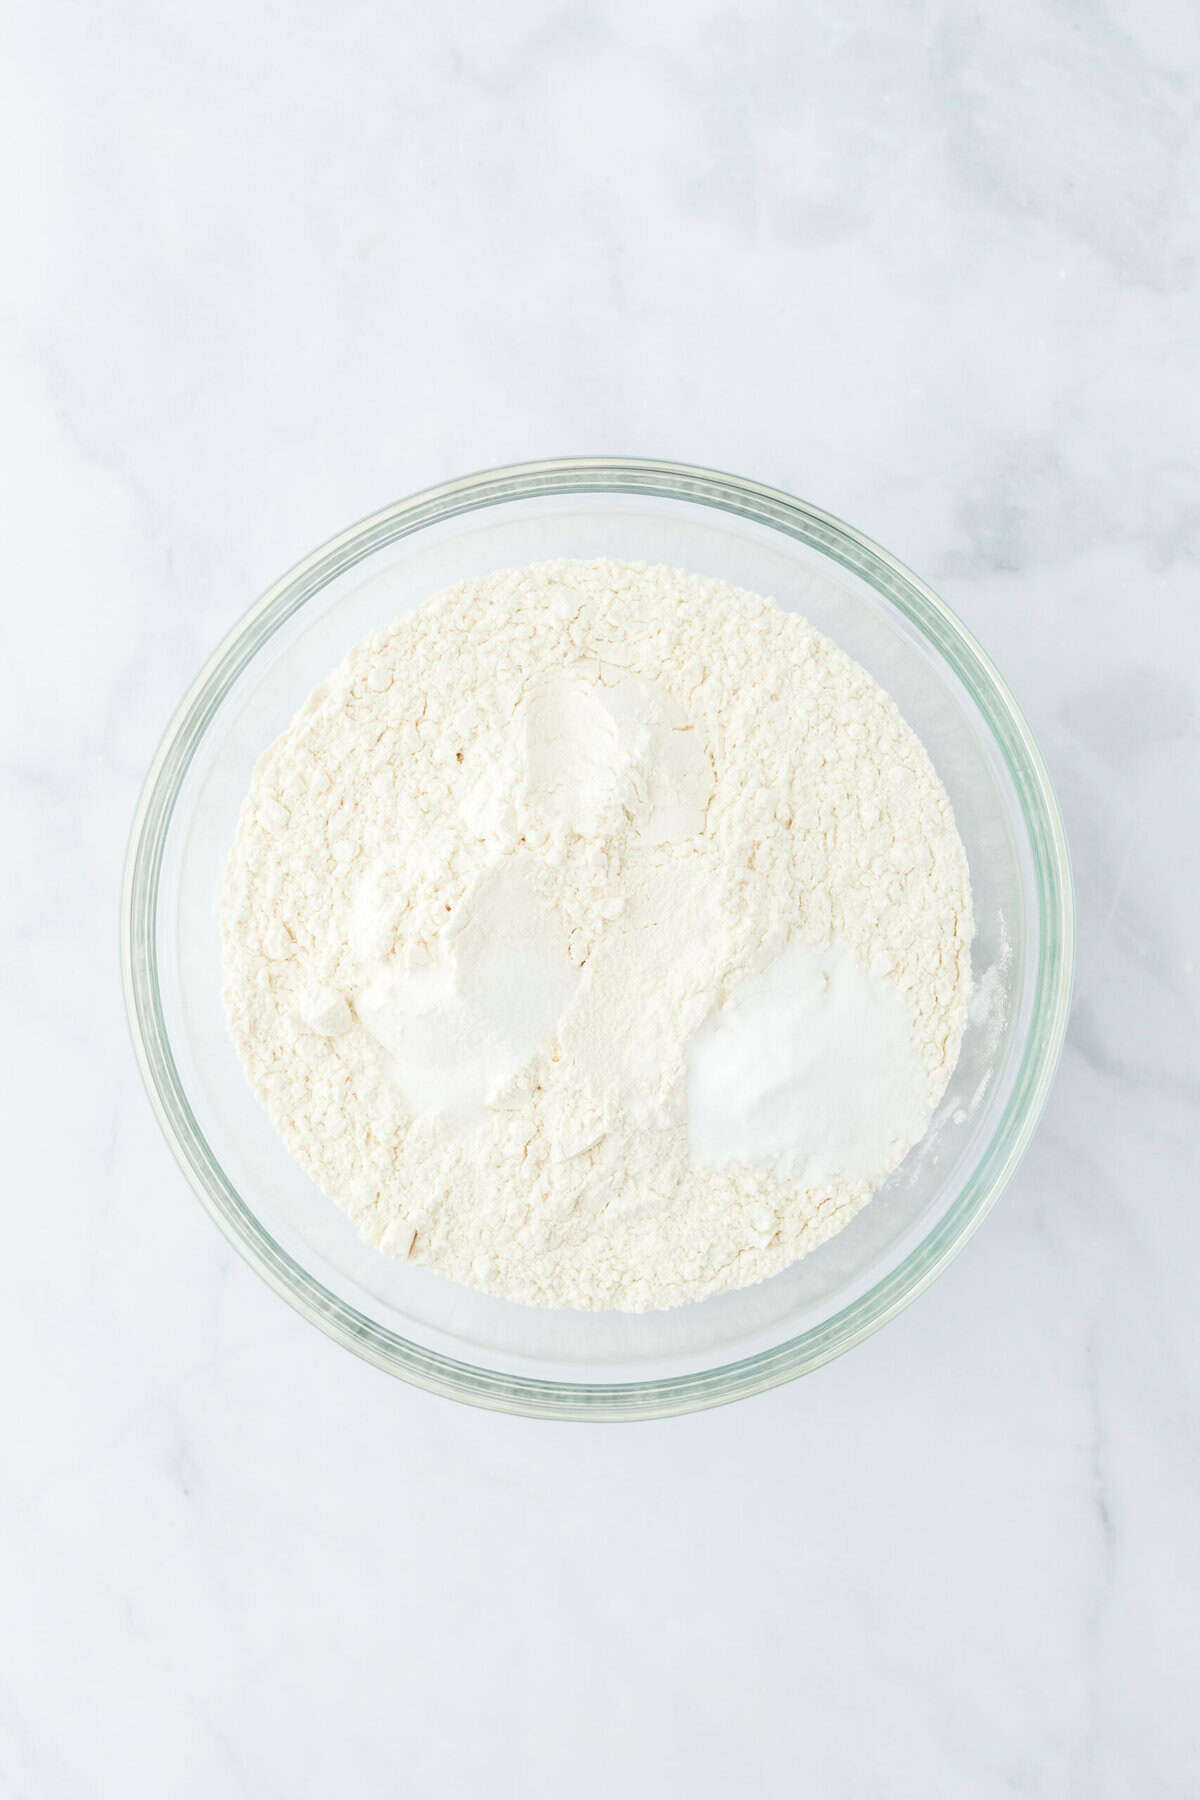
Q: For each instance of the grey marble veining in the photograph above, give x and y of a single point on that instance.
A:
(934, 267)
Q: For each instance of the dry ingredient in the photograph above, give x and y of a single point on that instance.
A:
(598, 935)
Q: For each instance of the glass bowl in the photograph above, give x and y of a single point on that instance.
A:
(418, 1325)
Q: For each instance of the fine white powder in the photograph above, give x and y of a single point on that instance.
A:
(598, 935)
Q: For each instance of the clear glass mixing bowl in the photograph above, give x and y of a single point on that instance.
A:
(596, 1365)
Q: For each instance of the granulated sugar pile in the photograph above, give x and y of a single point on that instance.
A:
(598, 935)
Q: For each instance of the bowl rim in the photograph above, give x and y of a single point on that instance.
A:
(535, 1396)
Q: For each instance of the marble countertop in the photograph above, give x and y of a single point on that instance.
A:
(933, 267)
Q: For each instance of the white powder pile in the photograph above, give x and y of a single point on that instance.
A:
(598, 935)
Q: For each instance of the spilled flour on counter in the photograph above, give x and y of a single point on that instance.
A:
(598, 935)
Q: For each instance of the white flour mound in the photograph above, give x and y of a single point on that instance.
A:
(598, 935)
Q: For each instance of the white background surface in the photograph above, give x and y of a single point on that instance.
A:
(931, 266)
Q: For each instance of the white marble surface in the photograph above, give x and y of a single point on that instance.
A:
(933, 266)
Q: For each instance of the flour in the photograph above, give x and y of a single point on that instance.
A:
(598, 935)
